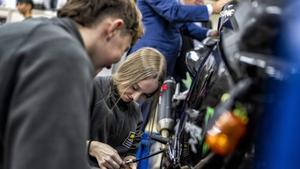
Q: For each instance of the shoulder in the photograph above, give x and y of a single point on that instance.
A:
(54, 35)
(48, 39)
(51, 48)
(102, 86)
(102, 81)
(53, 31)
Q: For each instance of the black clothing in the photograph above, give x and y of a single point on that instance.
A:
(45, 89)
(114, 121)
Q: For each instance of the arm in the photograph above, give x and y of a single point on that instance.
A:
(48, 122)
(175, 12)
(194, 31)
(100, 124)
(107, 157)
(136, 142)
(100, 115)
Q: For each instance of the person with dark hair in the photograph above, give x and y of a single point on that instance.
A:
(25, 8)
(46, 72)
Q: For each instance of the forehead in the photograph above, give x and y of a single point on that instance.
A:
(148, 85)
(21, 3)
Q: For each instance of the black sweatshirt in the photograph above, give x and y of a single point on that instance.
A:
(113, 121)
(45, 87)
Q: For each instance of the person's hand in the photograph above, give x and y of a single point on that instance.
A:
(107, 157)
(130, 165)
(213, 33)
(217, 6)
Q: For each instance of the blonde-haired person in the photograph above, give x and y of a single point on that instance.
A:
(116, 118)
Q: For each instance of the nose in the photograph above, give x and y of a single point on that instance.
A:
(136, 95)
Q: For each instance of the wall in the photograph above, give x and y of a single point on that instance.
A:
(12, 15)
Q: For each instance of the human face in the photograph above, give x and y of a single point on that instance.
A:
(117, 46)
(140, 91)
(23, 7)
(109, 50)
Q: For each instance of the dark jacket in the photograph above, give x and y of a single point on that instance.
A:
(45, 88)
(163, 20)
(114, 121)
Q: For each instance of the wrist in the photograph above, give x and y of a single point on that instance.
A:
(90, 146)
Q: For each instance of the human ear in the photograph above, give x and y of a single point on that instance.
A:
(115, 25)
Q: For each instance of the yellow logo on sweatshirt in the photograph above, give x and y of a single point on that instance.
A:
(129, 140)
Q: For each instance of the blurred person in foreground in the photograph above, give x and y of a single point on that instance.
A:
(46, 72)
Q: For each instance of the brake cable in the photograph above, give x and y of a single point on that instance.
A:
(143, 158)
